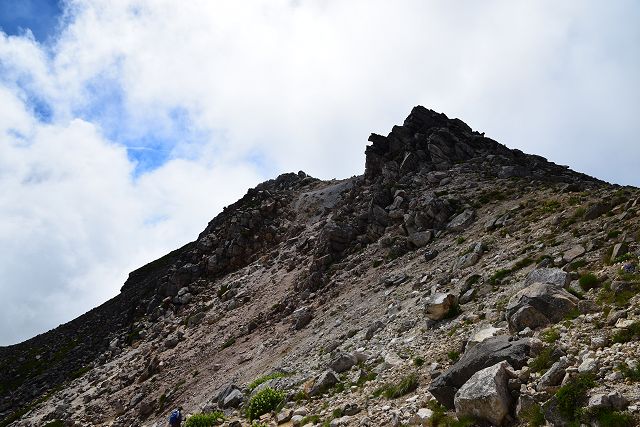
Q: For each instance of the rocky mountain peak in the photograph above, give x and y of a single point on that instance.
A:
(458, 282)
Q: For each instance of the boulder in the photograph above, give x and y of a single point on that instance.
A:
(323, 382)
(470, 258)
(485, 395)
(302, 317)
(482, 335)
(573, 253)
(420, 238)
(439, 305)
(485, 354)
(343, 362)
(552, 276)
(229, 397)
(553, 377)
(539, 305)
(461, 221)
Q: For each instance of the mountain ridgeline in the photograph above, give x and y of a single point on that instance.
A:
(457, 282)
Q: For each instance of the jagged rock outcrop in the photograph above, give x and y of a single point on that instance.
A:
(353, 299)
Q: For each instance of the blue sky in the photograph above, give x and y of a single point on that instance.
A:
(39, 16)
(127, 125)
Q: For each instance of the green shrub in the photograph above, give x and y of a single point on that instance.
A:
(571, 396)
(439, 418)
(205, 420)
(533, 416)
(393, 391)
(263, 379)
(607, 417)
(629, 373)
(263, 402)
(550, 335)
(588, 281)
(453, 355)
(542, 361)
(418, 361)
(229, 342)
(630, 333)
(577, 264)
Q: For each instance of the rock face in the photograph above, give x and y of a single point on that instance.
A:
(487, 353)
(336, 289)
(485, 396)
(539, 305)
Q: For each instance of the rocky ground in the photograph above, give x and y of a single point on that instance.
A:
(455, 283)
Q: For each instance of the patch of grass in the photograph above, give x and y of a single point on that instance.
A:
(491, 196)
(550, 335)
(441, 419)
(588, 281)
(418, 361)
(263, 379)
(453, 355)
(405, 386)
(205, 420)
(533, 416)
(310, 419)
(625, 257)
(542, 361)
(228, 343)
(80, 372)
(550, 206)
(460, 240)
(577, 264)
(629, 373)
(571, 396)
(263, 402)
(613, 234)
(619, 299)
(607, 417)
(630, 333)
(502, 273)
(572, 314)
(369, 376)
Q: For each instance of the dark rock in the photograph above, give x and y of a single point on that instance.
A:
(480, 356)
(539, 305)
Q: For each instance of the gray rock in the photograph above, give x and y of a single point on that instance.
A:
(539, 305)
(482, 335)
(429, 255)
(439, 305)
(323, 382)
(596, 210)
(471, 258)
(229, 397)
(485, 395)
(588, 365)
(343, 362)
(552, 276)
(482, 355)
(420, 238)
(302, 317)
(573, 253)
(373, 328)
(619, 249)
(461, 221)
(553, 377)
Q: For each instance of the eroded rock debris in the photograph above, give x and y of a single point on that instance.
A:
(456, 279)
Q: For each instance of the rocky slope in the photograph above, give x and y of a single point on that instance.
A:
(456, 282)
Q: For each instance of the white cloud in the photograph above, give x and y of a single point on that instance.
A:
(238, 93)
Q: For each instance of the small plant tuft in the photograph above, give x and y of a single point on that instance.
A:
(263, 402)
(588, 281)
(205, 420)
(263, 379)
(393, 391)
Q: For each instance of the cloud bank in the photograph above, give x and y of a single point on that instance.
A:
(125, 133)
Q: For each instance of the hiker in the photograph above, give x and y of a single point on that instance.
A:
(175, 419)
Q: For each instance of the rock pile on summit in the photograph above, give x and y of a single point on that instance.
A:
(456, 282)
